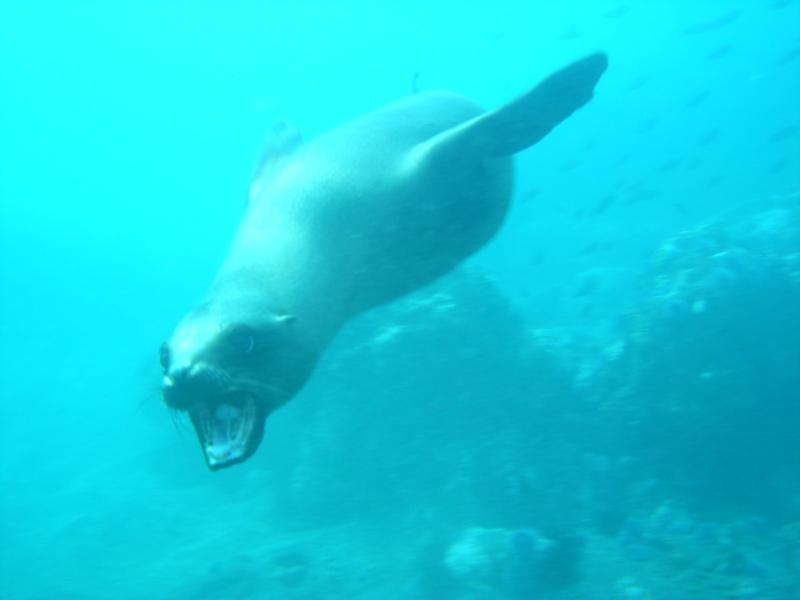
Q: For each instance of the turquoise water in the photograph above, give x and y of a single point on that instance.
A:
(601, 404)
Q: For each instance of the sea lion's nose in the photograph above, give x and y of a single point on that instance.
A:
(179, 374)
(173, 387)
(187, 384)
(192, 376)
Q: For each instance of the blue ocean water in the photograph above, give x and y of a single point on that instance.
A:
(603, 403)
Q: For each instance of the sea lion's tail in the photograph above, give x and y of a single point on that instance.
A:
(526, 120)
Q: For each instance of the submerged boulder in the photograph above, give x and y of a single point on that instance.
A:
(444, 405)
(704, 394)
(516, 564)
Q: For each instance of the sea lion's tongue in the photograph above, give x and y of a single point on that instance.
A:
(226, 432)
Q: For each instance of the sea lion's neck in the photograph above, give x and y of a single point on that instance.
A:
(256, 292)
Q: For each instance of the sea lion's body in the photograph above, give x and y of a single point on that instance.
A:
(358, 217)
(361, 223)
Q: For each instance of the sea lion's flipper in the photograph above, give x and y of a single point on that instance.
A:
(526, 120)
(282, 141)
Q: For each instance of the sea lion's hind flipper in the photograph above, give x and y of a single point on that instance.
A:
(281, 141)
(526, 120)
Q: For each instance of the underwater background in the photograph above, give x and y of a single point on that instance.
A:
(604, 403)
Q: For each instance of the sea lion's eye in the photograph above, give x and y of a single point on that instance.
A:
(163, 356)
(241, 339)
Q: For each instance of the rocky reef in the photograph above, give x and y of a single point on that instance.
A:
(704, 394)
(476, 457)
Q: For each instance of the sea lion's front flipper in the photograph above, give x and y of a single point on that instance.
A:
(526, 120)
(282, 141)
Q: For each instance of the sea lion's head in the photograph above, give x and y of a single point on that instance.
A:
(229, 374)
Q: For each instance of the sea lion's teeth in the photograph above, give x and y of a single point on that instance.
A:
(226, 412)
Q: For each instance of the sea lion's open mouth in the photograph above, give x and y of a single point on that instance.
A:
(228, 432)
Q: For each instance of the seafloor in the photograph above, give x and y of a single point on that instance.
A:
(473, 457)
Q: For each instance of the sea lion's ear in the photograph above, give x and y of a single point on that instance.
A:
(285, 318)
(281, 142)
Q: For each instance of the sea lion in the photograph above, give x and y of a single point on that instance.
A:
(357, 217)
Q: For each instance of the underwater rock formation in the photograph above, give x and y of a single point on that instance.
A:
(704, 395)
(443, 399)
(675, 445)
(516, 564)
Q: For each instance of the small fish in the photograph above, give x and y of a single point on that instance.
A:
(698, 99)
(670, 165)
(708, 137)
(530, 194)
(595, 246)
(777, 166)
(642, 195)
(638, 82)
(537, 259)
(569, 165)
(585, 288)
(784, 133)
(602, 205)
(590, 248)
(714, 24)
(648, 125)
(693, 163)
(616, 13)
(571, 33)
(790, 56)
(631, 185)
(719, 52)
(779, 4)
